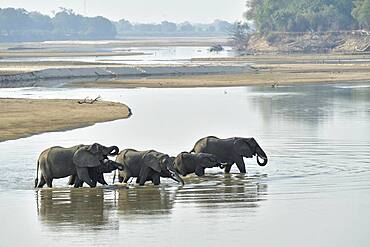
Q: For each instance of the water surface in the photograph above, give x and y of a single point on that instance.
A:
(315, 190)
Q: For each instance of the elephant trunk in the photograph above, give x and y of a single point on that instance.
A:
(114, 150)
(261, 154)
(175, 176)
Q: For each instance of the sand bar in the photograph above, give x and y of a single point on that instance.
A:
(26, 117)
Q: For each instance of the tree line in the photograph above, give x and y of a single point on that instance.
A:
(308, 15)
(20, 25)
(218, 27)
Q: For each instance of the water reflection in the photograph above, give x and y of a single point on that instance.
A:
(219, 190)
(74, 208)
(311, 104)
(148, 200)
(103, 207)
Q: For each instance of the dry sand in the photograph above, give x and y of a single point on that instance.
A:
(26, 117)
(266, 70)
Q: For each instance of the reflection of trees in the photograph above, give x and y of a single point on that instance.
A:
(74, 207)
(303, 103)
(226, 190)
(145, 200)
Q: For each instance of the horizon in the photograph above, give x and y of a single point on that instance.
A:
(162, 10)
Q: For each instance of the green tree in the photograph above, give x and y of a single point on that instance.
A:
(361, 13)
(306, 15)
(13, 20)
(239, 35)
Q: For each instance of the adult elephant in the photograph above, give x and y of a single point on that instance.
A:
(59, 162)
(187, 163)
(231, 150)
(146, 166)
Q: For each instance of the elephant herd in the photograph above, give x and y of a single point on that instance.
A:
(88, 163)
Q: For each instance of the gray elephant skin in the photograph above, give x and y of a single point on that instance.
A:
(231, 150)
(60, 162)
(97, 173)
(146, 166)
(187, 163)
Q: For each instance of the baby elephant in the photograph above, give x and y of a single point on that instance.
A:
(187, 163)
(146, 166)
(97, 173)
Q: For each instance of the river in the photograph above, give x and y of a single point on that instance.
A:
(315, 190)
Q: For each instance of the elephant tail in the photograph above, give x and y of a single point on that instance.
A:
(37, 174)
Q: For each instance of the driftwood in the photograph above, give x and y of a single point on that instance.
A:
(89, 101)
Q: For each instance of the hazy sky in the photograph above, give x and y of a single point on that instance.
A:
(141, 10)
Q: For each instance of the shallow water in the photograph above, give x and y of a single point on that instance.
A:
(315, 190)
(173, 55)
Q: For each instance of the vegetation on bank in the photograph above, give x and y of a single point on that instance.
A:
(165, 28)
(20, 25)
(308, 15)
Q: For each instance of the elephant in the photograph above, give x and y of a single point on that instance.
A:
(146, 166)
(60, 162)
(186, 163)
(231, 150)
(96, 173)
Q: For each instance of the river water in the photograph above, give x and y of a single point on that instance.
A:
(315, 190)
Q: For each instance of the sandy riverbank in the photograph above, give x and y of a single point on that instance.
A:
(26, 117)
(265, 70)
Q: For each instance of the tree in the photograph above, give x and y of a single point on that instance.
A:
(186, 27)
(124, 26)
(239, 35)
(305, 15)
(99, 28)
(168, 27)
(12, 20)
(67, 22)
(361, 13)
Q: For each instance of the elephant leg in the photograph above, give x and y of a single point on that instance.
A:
(138, 179)
(227, 168)
(78, 183)
(144, 172)
(125, 180)
(101, 179)
(156, 179)
(42, 182)
(199, 171)
(83, 174)
(72, 180)
(240, 164)
(49, 182)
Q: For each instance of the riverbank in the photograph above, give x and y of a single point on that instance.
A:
(264, 70)
(26, 117)
(309, 42)
(52, 76)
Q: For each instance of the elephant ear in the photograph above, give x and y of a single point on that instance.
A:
(94, 149)
(180, 165)
(152, 162)
(242, 147)
(83, 158)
